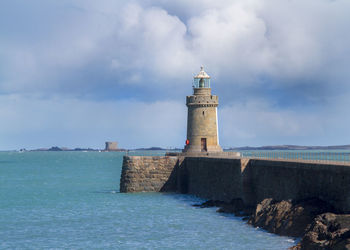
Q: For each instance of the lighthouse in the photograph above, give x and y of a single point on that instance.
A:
(202, 118)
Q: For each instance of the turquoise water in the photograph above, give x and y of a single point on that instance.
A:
(71, 200)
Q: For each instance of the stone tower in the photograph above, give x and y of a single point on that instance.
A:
(202, 119)
(111, 146)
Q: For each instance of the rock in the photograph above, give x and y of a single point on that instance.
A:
(327, 231)
(286, 217)
(210, 203)
(236, 206)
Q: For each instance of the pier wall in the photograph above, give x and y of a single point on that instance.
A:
(227, 178)
(284, 180)
(148, 174)
(211, 178)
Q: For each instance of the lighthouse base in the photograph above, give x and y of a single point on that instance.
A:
(199, 149)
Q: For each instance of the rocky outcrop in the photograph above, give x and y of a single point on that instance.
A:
(287, 217)
(309, 219)
(327, 231)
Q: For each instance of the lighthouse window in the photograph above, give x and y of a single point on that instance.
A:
(203, 113)
(201, 83)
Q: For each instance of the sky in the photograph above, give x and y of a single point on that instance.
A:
(79, 73)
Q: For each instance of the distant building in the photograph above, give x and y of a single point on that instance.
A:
(111, 146)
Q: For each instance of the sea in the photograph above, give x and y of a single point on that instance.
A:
(71, 200)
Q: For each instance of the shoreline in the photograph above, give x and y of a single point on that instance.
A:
(313, 222)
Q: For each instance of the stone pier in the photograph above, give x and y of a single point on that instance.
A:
(226, 179)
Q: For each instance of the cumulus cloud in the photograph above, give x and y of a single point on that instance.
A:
(241, 41)
(282, 64)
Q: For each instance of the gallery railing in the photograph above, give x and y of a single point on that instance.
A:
(340, 157)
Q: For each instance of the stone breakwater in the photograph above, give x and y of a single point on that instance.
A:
(148, 174)
(284, 197)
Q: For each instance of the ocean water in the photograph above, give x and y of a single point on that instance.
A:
(71, 200)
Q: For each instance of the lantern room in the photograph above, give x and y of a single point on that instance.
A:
(202, 80)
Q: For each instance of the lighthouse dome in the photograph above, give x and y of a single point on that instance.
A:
(202, 74)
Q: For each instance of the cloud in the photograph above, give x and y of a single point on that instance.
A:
(242, 42)
(278, 66)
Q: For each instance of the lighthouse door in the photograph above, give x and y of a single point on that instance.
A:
(203, 144)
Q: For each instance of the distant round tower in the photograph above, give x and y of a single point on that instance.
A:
(202, 119)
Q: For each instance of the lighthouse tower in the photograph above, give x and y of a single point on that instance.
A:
(202, 119)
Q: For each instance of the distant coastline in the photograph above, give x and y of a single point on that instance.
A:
(275, 147)
(293, 147)
(57, 149)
